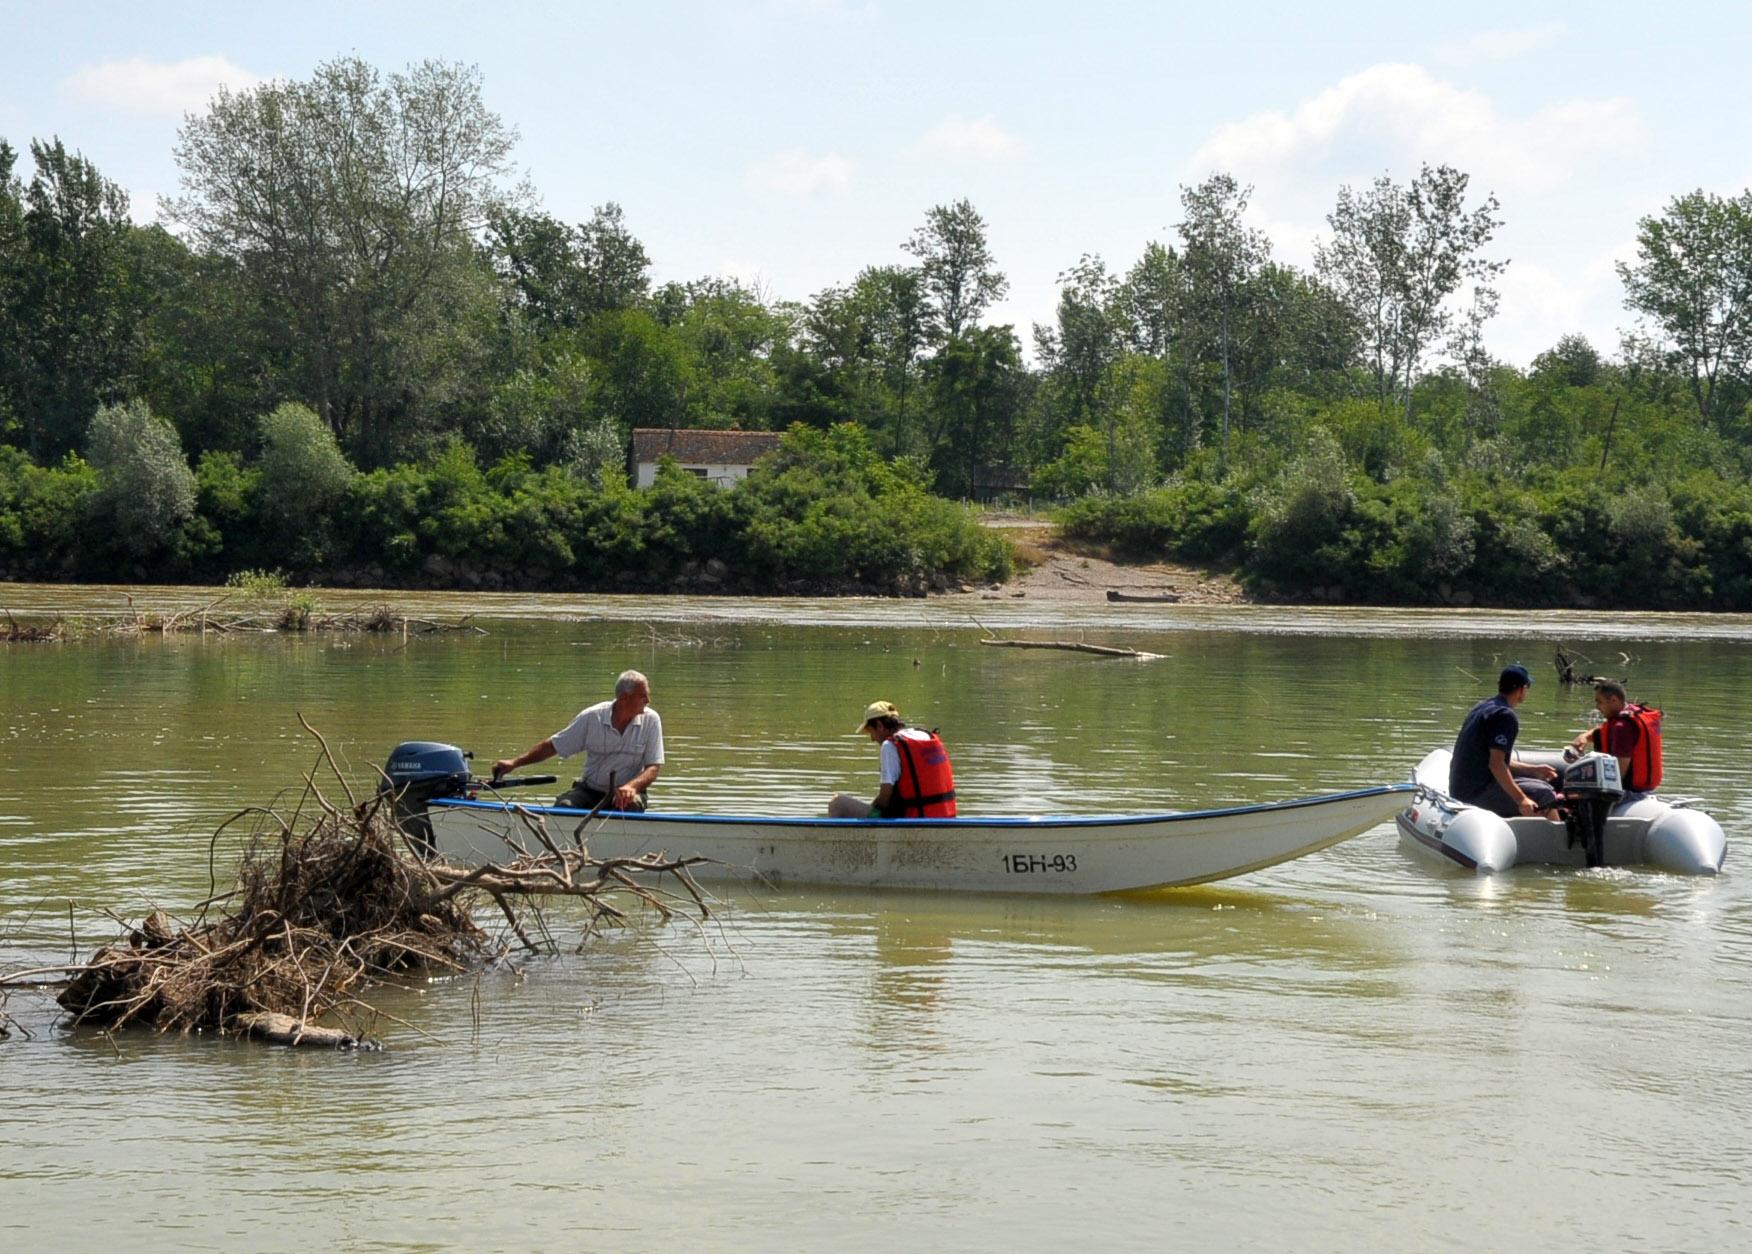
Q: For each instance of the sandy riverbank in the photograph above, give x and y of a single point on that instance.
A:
(1061, 572)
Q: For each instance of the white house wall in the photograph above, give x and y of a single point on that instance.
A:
(721, 475)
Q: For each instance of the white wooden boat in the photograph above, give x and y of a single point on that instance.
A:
(1641, 829)
(1102, 854)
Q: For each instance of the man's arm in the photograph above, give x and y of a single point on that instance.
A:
(1499, 770)
(627, 793)
(884, 799)
(541, 751)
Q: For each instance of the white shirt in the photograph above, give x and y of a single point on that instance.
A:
(888, 772)
(622, 754)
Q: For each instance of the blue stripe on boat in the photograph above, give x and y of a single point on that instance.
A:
(1110, 820)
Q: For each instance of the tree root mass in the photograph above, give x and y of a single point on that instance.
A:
(324, 909)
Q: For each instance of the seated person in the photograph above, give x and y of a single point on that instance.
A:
(1631, 733)
(1484, 771)
(915, 780)
(622, 743)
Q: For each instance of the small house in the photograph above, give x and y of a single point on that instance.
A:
(721, 457)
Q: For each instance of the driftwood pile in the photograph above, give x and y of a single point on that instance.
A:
(1570, 667)
(328, 902)
(296, 614)
(16, 632)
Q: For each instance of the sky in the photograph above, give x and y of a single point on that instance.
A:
(790, 143)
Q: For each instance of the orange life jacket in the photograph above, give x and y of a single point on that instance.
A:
(1645, 758)
(926, 788)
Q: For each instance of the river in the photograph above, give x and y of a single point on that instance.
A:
(1355, 1049)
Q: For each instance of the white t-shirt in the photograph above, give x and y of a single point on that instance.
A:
(888, 772)
(623, 754)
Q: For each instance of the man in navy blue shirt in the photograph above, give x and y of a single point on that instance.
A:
(1484, 772)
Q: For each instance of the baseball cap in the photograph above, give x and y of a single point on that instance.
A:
(876, 710)
(1514, 676)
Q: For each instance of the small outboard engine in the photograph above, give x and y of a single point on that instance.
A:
(418, 772)
(1591, 786)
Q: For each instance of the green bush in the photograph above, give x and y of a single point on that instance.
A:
(45, 516)
(302, 477)
(146, 489)
(1299, 537)
(1194, 520)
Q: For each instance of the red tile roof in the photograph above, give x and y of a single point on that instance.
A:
(702, 448)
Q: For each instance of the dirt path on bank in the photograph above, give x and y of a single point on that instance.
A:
(1062, 572)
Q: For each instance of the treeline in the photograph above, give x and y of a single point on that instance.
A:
(824, 513)
(354, 321)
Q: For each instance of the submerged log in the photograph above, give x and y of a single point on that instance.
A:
(1074, 646)
(279, 1029)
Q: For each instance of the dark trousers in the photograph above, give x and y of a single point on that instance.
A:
(1497, 801)
(581, 796)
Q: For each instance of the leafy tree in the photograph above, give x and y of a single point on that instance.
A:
(1571, 362)
(956, 264)
(612, 263)
(1396, 256)
(639, 374)
(1693, 276)
(209, 359)
(1153, 300)
(1221, 258)
(902, 328)
(304, 476)
(1088, 340)
(728, 337)
(350, 203)
(561, 275)
(977, 379)
(69, 314)
(549, 395)
(147, 490)
(1080, 356)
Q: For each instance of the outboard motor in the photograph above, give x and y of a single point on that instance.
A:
(418, 772)
(421, 771)
(1591, 786)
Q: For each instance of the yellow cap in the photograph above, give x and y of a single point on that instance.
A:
(876, 710)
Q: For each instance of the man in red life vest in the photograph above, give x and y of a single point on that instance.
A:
(1630, 733)
(915, 776)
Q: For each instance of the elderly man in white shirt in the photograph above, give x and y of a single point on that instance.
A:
(622, 743)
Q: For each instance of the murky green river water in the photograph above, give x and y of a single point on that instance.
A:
(1356, 1050)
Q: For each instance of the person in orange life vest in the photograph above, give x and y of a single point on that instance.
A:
(1628, 732)
(915, 776)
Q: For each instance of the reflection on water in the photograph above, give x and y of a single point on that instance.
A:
(1353, 1048)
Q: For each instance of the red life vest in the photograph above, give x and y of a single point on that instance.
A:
(926, 788)
(1645, 757)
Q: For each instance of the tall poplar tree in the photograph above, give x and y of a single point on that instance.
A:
(1693, 276)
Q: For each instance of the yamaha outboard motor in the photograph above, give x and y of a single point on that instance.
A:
(418, 772)
(1591, 786)
(422, 771)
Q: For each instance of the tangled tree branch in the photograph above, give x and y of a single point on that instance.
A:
(327, 904)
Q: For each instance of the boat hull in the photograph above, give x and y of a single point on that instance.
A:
(995, 855)
(1643, 830)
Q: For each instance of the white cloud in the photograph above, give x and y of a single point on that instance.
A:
(796, 173)
(1559, 171)
(1395, 116)
(970, 137)
(1501, 45)
(137, 85)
